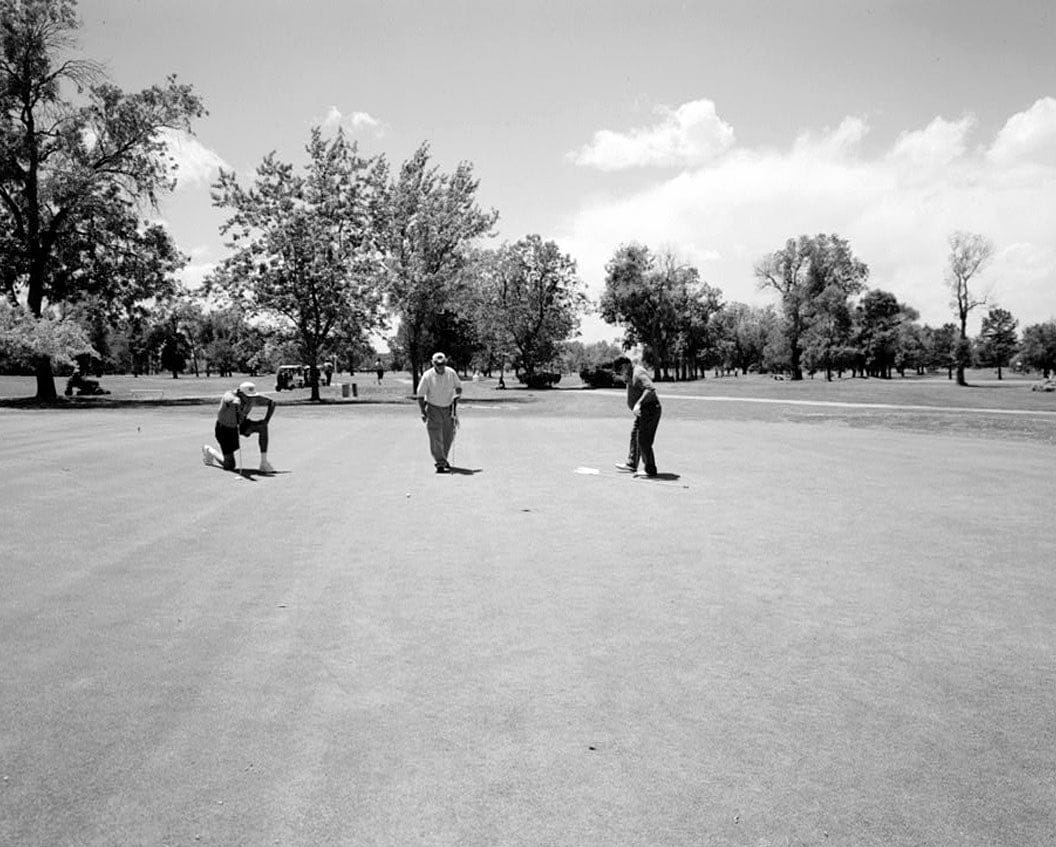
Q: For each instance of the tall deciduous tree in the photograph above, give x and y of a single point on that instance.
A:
(742, 332)
(969, 255)
(801, 272)
(880, 319)
(536, 298)
(304, 247)
(72, 148)
(1038, 348)
(661, 302)
(997, 341)
(429, 222)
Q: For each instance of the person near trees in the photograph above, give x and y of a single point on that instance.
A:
(439, 391)
(645, 406)
(233, 422)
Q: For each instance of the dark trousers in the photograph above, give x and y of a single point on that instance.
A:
(642, 436)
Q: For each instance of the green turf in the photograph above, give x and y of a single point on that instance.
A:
(840, 632)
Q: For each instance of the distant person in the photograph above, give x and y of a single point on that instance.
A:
(380, 369)
(232, 421)
(439, 391)
(328, 369)
(645, 405)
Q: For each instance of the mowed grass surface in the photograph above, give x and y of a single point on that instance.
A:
(835, 627)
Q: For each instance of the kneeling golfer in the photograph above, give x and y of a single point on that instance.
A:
(439, 391)
(232, 420)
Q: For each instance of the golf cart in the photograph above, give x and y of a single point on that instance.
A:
(291, 376)
(83, 386)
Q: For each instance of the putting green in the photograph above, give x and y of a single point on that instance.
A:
(822, 634)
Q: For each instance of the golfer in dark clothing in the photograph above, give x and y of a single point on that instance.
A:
(643, 402)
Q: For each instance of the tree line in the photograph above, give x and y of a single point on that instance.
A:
(325, 255)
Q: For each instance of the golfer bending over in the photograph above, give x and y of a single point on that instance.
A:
(439, 391)
(232, 419)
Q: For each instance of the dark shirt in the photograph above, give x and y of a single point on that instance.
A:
(639, 384)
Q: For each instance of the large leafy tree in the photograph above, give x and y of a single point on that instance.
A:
(303, 243)
(742, 332)
(880, 319)
(940, 347)
(969, 255)
(24, 339)
(1038, 347)
(660, 302)
(430, 222)
(997, 340)
(536, 297)
(73, 148)
(811, 274)
(694, 343)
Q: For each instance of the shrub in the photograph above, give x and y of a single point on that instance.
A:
(540, 379)
(601, 376)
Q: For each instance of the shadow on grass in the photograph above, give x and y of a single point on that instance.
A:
(464, 471)
(249, 474)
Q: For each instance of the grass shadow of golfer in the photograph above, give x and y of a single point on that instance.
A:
(464, 471)
(249, 473)
(659, 477)
(246, 475)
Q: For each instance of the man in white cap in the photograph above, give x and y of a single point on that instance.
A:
(232, 420)
(439, 391)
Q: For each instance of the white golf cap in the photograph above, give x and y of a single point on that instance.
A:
(439, 358)
(248, 388)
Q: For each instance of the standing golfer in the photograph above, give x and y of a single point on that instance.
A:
(643, 402)
(232, 420)
(439, 391)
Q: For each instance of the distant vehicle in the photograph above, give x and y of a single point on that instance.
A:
(83, 386)
(289, 377)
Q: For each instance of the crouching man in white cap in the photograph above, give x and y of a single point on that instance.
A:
(232, 420)
(439, 391)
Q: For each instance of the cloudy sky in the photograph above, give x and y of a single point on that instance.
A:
(716, 129)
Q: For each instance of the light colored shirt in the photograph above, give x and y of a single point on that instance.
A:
(439, 389)
(234, 408)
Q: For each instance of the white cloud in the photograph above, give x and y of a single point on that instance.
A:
(689, 135)
(897, 209)
(936, 146)
(1028, 137)
(354, 122)
(196, 164)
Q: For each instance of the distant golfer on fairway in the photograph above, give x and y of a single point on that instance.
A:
(643, 402)
(439, 391)
(232, 420)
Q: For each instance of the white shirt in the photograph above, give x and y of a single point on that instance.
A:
(439, 389)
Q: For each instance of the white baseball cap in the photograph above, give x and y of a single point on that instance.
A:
(439, 358)
(248, 388)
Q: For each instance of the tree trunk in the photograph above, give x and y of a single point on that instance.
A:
(45, 380)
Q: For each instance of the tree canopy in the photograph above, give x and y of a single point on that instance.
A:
(429, 221)
(77, 155)
(303, 244)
